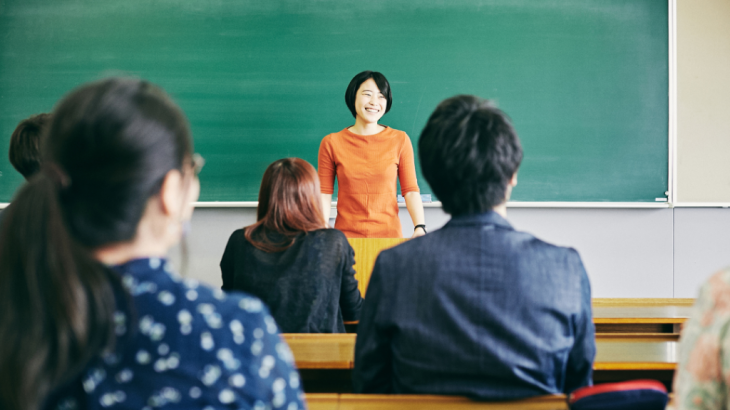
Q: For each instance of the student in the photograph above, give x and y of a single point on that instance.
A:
(288, 258)
(476, 308)
(701, 379)
(24, 151)
(91, 314)
(367, 158)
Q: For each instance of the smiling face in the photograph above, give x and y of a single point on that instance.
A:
(370, 103)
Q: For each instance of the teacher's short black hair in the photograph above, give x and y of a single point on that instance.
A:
(469, 151)
(380, 81)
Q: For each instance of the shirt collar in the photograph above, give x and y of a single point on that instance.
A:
(143, 266)
(486, 218)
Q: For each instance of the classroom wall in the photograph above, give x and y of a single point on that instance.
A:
(660, 253)
(703, 91)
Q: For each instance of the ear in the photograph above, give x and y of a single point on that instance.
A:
(513, 180)
(170, 193)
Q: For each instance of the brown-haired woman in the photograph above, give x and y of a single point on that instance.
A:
(288, 258)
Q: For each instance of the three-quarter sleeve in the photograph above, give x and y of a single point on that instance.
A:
(326, 166)
(350, 298)
(407, 168)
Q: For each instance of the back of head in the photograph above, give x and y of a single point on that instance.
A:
(469, 152)
(25, 144)
(115, 140)
(109, 146)
(289, 203)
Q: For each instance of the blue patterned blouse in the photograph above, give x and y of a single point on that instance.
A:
(191, 348)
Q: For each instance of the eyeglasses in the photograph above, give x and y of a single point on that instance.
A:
(198, 162)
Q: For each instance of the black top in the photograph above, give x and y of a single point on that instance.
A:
(310, 287)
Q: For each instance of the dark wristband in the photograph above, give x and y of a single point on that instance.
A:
(420, 226)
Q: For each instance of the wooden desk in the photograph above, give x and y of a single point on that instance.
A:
(326, 361)
(425, 402)
(322, 401)
(641, 315)
(631, 315)
(614, 352)
(636, 352)
(322, 351)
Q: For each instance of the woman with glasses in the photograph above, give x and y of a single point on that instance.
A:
(91, 313)
(300, 269)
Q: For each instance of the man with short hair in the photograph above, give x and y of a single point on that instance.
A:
(25, 144)
(475, 308)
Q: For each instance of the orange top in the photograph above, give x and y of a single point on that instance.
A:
(366, 167)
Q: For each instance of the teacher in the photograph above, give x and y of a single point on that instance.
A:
(367, 158)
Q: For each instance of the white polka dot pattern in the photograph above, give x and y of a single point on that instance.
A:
(187, 346)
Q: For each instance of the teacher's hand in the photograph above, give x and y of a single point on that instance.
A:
(418, 232)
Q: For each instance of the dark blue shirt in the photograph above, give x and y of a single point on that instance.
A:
(191, 348)
(476, 309)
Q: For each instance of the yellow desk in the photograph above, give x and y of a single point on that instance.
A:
(366, 252)
(326, 361)
(322, 351)
(331, 401)
(614, 352)
(648, 315)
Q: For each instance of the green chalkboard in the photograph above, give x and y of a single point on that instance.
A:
(585, 81)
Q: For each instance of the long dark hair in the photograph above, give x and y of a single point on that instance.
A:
(289, 204)
(107, 151)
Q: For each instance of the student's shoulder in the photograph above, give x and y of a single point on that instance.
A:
(329, 237)
(418, 248)
(528, 243)
(238, 237)
(329, 234)
(238, 234)
(210, 325)
(197, 303)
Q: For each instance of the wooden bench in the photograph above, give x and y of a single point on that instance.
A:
(326, 360)
(331, 401)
